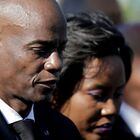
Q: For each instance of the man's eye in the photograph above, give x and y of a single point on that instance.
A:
(41, 52)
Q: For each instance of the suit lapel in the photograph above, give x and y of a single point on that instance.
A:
(41, 127)
(5, 133)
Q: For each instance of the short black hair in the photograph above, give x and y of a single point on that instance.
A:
(89, 35)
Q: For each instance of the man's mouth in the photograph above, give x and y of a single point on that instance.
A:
(50, 84)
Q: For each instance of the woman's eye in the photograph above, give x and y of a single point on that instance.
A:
(98, 98)
(96, 94)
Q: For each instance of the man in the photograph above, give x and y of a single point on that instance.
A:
(128, 124)
(31, 34)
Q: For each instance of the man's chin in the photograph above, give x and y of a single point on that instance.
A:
(42, 96)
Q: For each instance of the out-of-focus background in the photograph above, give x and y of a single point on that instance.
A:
(130, 9)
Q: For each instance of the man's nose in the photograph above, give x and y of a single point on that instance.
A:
(53, 62)
(108, 108)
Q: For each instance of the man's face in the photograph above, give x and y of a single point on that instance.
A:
(96, 100)
(29, 59)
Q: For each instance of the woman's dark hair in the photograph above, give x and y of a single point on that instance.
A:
(89, 35)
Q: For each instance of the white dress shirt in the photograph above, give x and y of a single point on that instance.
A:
(11, 115)
(131, 117)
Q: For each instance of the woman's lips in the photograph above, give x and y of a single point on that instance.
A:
(103, 129)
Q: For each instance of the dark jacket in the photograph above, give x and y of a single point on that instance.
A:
(51, 125)
(121, 131)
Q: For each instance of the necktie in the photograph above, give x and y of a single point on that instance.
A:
(24, 129)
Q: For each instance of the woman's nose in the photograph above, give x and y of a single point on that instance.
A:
(109, 108)
(53, 62)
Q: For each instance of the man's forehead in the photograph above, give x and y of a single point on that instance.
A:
(16, 15)
(31, 23)
(24, 14)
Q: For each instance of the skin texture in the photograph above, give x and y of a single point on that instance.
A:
(31, 34)
(96, 98)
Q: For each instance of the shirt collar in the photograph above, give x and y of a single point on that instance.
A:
(11, 115)
(131, 117)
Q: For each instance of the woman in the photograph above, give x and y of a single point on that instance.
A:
(96, 67)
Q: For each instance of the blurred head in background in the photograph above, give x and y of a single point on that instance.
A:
(131, 33)
(110, 7)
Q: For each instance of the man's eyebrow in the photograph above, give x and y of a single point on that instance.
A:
(44, 43)
(51, 43)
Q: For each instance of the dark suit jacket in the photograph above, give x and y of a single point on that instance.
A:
(5, 133)
(51, 125)
(121, 131)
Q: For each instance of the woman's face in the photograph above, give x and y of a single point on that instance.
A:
(96, 98)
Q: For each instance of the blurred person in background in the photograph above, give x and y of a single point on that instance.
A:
(96, 67)
(73, 6)
(110, 7)
(128, 124)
